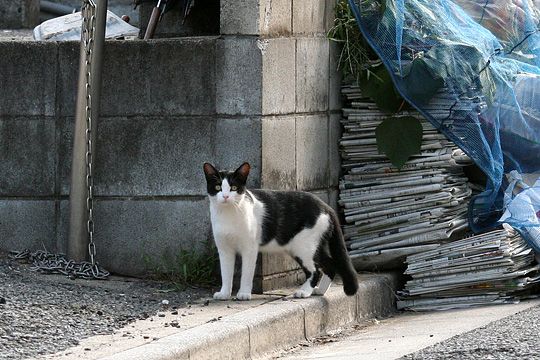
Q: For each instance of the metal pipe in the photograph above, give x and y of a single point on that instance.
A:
(55, 8)
(154, 19)
(78, 216)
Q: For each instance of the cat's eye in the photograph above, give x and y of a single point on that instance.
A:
(218, 187)
(233, 188)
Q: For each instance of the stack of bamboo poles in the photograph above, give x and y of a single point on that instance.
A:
(391, 213)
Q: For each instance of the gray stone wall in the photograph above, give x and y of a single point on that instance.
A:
(265, 91)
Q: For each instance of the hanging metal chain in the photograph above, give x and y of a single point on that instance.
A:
(44, 261)
(88, 32)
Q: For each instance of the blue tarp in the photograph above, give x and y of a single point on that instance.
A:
(472, 68)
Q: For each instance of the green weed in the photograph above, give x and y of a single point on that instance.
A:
(186, 268)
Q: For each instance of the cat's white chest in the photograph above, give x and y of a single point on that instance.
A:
(233, 225)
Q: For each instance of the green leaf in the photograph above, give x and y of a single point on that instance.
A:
(379, 87)
(399, 138)
(421, 81)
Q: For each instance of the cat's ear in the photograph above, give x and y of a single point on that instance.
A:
(243, 171)
(209, 170)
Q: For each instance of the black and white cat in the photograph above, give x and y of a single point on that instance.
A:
(298, 223)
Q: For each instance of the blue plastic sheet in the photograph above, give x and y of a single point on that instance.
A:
(472, 68)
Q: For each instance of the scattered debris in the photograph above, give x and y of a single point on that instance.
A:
(68, 27)
(215, 319)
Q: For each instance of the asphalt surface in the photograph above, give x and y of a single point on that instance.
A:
(513, 337)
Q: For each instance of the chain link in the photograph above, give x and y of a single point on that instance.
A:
(48, 263)
(89, 27)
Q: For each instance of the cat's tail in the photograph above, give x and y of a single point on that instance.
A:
(340, 257)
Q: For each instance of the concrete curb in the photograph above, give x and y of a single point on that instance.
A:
(275, 325)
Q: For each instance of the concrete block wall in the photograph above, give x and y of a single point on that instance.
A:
(265, 91)
(287, 73)
(158, 125)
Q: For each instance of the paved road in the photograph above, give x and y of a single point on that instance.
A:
(495, 332)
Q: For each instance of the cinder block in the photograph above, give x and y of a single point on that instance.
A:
(62, 225)
(27, 224)
(277, 263)
(278, 75)
(127, 232)
(312, 152)
(310, 17)
(334, 83)
(64, 144)
(256, 17)
(28, 78)
(27, 156)
(278, 281)
(68, 62)
(238, 140)
(161, 156)
(16, 14)
(238, 76)
(330, 14)
(279, 153)
(312, 67)
(161, 77)
(153, 156)
(321, 194)
(333, 196)
(334, 157)
(239, 17)
(275, 17)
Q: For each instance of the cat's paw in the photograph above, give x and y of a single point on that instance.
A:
(222, 296)
(318, 292)
(302, 294)
(243, 296)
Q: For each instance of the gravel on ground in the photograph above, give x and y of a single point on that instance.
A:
(43, 314)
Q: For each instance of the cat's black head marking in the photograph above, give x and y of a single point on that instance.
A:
(236, 179)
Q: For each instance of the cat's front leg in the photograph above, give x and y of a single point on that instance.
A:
(249, 261)
(227, 258)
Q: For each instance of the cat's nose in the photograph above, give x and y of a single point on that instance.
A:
(225, 197)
